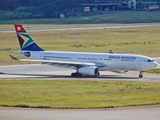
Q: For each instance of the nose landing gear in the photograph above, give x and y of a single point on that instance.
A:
(140, 74)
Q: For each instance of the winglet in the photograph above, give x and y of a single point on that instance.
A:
(14, 58)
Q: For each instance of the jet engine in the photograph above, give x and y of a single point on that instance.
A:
(89, 70)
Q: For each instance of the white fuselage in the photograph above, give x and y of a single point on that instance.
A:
(104, 61)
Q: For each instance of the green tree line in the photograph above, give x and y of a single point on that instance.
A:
(15, 9)
(38, 8)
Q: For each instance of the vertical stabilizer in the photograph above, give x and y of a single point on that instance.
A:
(25, 40)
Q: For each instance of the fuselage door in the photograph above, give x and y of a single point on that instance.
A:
(42, 56)
(139, 61)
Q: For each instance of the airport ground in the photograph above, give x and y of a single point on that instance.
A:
(45, 72)
(126, 113)
(49, 72)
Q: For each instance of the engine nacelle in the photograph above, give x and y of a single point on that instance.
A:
(89, 70)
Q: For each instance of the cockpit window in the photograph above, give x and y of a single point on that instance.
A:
(150, 60)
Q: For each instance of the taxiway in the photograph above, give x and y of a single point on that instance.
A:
(50, 72)
(127, 113)
(97, 26)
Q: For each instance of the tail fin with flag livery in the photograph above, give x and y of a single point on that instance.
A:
(25, 40)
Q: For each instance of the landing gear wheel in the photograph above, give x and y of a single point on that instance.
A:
(97, 74)
(76, 74)
(73, 74)
(140, 74)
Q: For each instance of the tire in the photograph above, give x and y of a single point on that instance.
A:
(140, 76)
(73, 74)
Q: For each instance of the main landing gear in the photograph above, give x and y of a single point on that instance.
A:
(76, 74)
(141, 74)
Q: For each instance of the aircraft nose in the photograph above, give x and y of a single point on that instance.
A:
(155, 64)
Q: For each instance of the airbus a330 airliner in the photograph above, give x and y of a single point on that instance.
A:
(84, 63)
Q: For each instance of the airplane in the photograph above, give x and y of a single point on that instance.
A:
(84, 63)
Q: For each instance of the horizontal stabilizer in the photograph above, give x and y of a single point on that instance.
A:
(14, 58)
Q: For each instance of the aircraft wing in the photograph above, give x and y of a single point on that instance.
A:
(65, 63)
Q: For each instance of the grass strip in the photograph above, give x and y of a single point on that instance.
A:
(156, 71)
(77, 94)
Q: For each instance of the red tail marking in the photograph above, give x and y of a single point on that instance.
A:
(19, 28)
